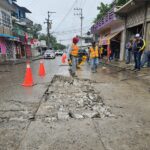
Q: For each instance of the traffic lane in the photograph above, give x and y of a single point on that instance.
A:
(10, 81)
(18, 104)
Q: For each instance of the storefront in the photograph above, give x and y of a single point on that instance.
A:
(110, 31)
(7, 47)
(136, 15)
(22, 50)
(112, 43)
(11, 48)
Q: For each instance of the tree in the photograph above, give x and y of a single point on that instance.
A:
(53, 41)
(121, 2)
(35, 30)
(104, 8)
(58, 46)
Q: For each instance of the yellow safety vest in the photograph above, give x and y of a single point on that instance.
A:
(75, 50)
(144, 45)
(101, 50)
(94, 52)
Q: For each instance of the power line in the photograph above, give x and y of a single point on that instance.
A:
(80, 13)
(66, 15)
(84, 3)
(49, 25)
(67, 33)
(73, 29)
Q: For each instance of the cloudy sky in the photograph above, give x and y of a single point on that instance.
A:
(65, 23)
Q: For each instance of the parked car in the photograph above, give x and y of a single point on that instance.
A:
(49, 54)
(59, 53)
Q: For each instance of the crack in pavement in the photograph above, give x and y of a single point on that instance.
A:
(32, 119)
(97, 130)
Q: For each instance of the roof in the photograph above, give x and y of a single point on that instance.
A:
(130, 6)
(106, 40)
(26, 10)
(23, 8)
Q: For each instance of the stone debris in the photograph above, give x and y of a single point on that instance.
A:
(74, 98)
(48, 119)
(91, 114)
(75, 115)
(63, 115)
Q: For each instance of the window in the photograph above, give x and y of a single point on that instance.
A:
(6, 19)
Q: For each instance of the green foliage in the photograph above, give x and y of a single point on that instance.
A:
(104, 8)
(58, 46)
(35, 30)
(53, 41)
(43, 37)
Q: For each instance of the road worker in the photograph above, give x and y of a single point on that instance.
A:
(73, 52)
(94, 55)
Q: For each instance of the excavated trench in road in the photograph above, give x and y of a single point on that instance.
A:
(65, 98)
(72, 98)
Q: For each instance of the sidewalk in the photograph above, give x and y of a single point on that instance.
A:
(144, 74)
(20, 61)
(122, 64)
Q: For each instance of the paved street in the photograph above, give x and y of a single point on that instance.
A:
(108, 110)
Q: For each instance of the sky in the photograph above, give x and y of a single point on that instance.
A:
(65, 23)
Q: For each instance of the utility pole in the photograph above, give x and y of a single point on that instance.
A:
(60, 41)
(49, 26)
(80, 13)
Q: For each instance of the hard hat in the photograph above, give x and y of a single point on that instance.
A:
(75, 40)
(137, 35)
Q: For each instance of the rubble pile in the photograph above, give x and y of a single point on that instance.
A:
(69, 98)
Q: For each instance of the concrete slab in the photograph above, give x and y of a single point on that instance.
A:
(67, 135)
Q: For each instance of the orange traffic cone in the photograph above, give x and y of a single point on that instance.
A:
(42, 69)
(63, 59)
(28, 80)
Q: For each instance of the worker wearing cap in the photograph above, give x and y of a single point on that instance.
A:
(74, 55)
(138, 48)
(94, 55)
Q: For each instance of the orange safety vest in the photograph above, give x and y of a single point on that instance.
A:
(94, 52)
(74, 51)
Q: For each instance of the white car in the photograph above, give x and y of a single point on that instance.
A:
(59, 53)
(49, 54)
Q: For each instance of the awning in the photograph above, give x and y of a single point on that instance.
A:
(8, 36)
(106, 40)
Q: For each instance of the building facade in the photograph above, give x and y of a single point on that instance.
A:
(136, 16)
(109, 32)
(14, 36)
(6, 37)
(21, 27)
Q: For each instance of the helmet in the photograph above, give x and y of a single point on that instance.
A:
(137, 35)
(75, 40)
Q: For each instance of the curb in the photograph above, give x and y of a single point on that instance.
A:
(113, 65)
(21, 61)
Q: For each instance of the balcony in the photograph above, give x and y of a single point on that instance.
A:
(23, 22)
(26, 21)
(108, 20)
